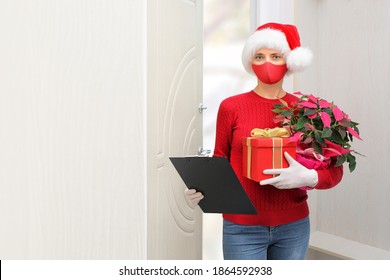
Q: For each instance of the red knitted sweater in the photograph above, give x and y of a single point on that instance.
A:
(237, 116)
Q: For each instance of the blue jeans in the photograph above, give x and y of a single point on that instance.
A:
(284, 242)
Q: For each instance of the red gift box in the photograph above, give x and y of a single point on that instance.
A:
(260, 153)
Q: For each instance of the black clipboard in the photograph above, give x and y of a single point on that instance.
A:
(215, 178)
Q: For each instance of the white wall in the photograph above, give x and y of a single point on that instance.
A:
(72, 129)
(351, 41)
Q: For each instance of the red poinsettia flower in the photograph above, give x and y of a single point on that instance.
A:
(337, 113)
(321, 128)
(325, 118)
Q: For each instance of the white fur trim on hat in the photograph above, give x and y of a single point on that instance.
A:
(265, 38)
(298, 59)
(275, 39)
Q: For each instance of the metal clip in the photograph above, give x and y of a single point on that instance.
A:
(203, 153)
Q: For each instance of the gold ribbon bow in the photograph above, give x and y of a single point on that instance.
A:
(270, 132)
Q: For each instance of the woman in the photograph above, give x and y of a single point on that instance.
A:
(281, 229)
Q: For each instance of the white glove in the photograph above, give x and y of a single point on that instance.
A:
(193, 196)
(294, 176)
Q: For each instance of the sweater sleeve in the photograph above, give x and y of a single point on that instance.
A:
(224, 129)
(329, 178)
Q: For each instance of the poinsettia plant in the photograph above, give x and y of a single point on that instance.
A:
(324, 132)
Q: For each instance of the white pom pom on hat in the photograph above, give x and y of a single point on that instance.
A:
(282, 37)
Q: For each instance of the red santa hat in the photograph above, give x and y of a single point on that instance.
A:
(282, 37)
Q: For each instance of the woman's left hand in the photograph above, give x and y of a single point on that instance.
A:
(294, 176)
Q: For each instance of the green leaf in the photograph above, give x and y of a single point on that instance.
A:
(278, 106)
(359, 154)
(342, 132)
(317, 123)
(340, 160)
(356, 129)
(317, 147)
(329, 111)
(352, 166)
(350, 156)
(286, 113)
(277, 111)
(350, 137)
(318, 137)
(327, 132)
(352, 162)
(309, 112)
(301, 123)
(337, 137)
(353, 124)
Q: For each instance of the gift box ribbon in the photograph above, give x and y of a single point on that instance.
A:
(277, 145)
(270, 132)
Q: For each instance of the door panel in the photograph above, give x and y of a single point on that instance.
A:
(174, 124)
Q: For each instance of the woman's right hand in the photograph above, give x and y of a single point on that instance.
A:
(193, 196)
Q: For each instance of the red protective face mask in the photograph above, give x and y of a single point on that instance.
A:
(269, 73)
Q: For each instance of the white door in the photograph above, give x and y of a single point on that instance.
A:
(72, 128)
(175, 31)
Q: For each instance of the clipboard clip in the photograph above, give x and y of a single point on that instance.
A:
(203, 153)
